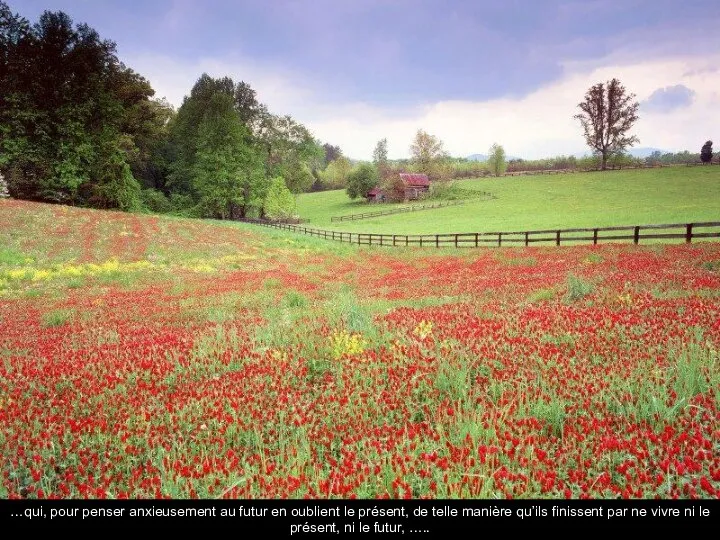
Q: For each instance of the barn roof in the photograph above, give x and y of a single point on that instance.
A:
(415, 180)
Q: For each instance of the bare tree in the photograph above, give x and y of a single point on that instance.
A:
(608, 113)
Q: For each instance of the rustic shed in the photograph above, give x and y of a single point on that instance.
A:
(411, 186)
(415, 185)
(375, 195)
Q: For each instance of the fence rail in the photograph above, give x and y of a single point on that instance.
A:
(636, 233)
(400, 210)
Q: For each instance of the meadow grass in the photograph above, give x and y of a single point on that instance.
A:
(596, 199)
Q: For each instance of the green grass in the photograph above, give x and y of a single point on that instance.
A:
(669, 195)
(57, 317)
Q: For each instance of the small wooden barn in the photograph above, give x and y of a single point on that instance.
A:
(413, 187)
(375, 195)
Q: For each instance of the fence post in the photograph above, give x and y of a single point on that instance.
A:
(557, 238)
(688, 233)
(476, 239)
(456, 240)
(406, 240)
(437, 240)
(636, 235)
(394, 240)
(595, 237)
(499, 239)
(421, 240)
(527, 240)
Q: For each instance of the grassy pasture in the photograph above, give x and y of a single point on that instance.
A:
(634, 197)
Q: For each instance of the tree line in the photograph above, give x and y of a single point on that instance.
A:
(79, 127)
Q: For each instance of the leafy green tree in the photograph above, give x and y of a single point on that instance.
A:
(361, 180)
(71, 115)
(279, 201)
(298, 176)
(426, 151)
(337, 172)
(185, 130)
(496, 160)
(115, 185)
(227, 175)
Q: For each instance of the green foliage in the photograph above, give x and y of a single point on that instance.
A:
(577, 288)
(551, 413)
(279, 201)
(541, 295)
(155, 201)
(298, 176)
(336, 173)
(68, 110)
(294, 299)
(361, 180)
(115, 187)
(496, 160)
(57, 317)
(426, 150)
(227, 172)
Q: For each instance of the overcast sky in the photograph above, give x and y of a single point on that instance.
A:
(471, 72)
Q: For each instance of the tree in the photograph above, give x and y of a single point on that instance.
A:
(608, 113)
(184, 130)
(426, 150)
(72, 116)
(331, 153)
(496, 160)
(361, 180)
(227, 175)
(380, 154)
(380, 159)
(336, 173)
(706, 152)
(392, 186)
(654, 158)
(279, 201)
(298, 176)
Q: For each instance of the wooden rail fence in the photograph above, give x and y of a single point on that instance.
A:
(400, 210)
(687, 232)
